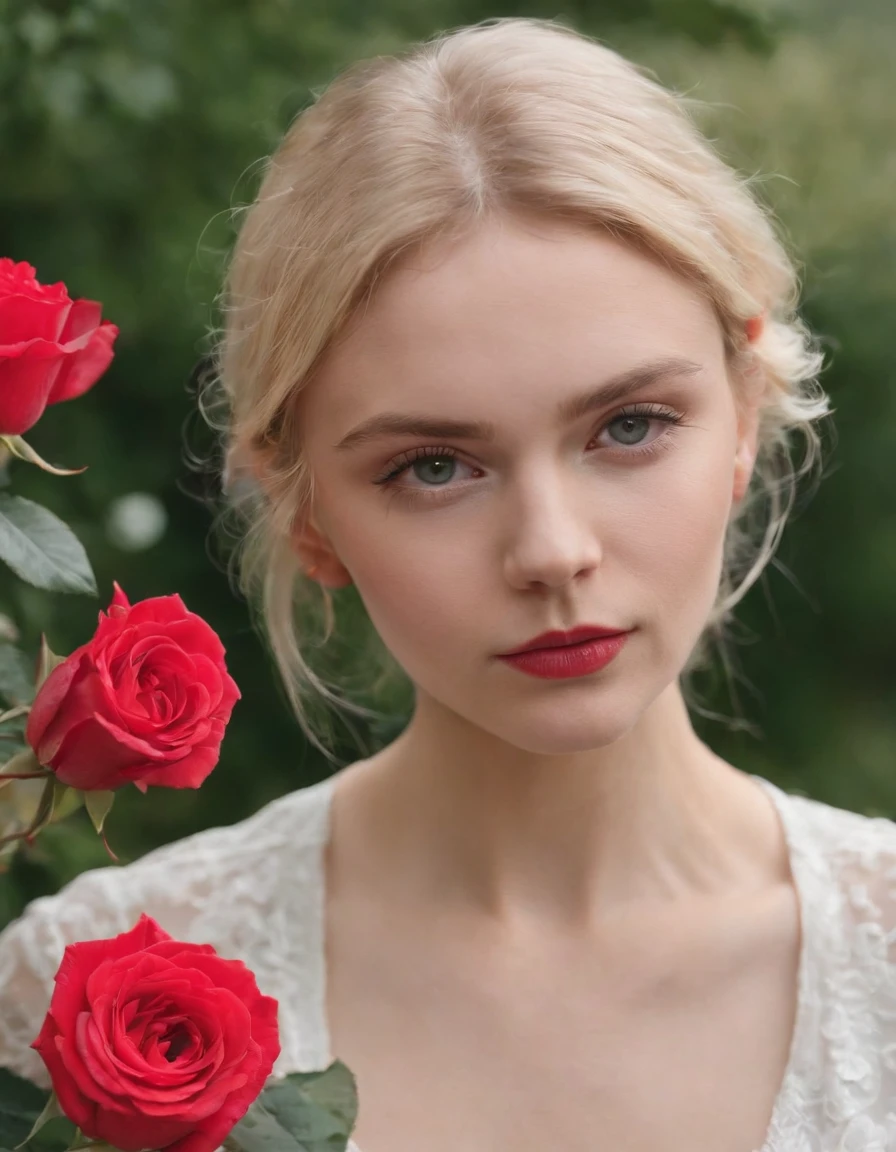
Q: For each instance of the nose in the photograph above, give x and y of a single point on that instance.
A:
(552, 535)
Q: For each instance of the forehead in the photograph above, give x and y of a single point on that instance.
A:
(519, 307)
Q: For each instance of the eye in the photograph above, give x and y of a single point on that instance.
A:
(434, 469)
(433, 466)
(630, 429)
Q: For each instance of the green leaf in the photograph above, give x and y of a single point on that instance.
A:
(21, 1103)
(334, 1089)
(16, 675)
(52, 1111)
(304, 1112)
(41, 549)
(98, 805)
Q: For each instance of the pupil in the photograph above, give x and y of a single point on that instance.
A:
(440, 466)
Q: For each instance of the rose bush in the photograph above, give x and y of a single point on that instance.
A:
(150, 1043)
(52, 348)
(153, 1043)
(146, 700)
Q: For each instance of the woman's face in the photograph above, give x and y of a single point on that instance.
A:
(482, 478)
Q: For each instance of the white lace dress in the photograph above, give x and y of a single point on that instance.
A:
(255, 891)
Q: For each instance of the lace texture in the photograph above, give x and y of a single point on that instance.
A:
(255, 892)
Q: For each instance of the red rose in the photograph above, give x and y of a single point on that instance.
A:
(151, 1043)
(52, 348)
(146, 700)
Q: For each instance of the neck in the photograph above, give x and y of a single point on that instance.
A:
(654, 817)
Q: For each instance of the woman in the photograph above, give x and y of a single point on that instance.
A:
(511, 350)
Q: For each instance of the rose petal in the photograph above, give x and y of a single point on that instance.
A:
(23, 319)
(81, 370)
(25, 385)
(94, 755)
(91, 1079)
(187, 772)
(84, 695)
(132, 1132)
(83, 319)
(78, 1108)
(46, 705)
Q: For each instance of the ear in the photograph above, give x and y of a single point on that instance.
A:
(754, 326)
(316, 554)
(748, 418)
(745, 453)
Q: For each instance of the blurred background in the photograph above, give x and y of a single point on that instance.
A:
(130, 129)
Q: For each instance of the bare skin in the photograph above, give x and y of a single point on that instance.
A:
(660, 1026)
(555, 919)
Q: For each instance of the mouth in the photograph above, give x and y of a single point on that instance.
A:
(579, 635)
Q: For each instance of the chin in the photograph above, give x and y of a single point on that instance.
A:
(564, 729)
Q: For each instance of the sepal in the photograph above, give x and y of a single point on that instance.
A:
(98, 805)
(46, 662)
(23, 451)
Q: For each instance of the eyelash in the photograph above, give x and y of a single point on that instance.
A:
(404, 462)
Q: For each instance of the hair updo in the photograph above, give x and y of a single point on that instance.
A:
(509, 114)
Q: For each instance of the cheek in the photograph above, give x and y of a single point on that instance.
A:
(676, 529)
(410, 570)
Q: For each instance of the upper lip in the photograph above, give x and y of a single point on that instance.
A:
(556, 639)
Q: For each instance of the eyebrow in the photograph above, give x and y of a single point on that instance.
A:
(611, 391)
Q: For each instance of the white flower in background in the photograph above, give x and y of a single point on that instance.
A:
(136, 521)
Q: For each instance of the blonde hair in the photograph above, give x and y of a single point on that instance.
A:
(507, 115)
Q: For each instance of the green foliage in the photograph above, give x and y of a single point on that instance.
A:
(21, 1105)
(303, 1112)
(39, 548)
(133, 133)
(16, 676)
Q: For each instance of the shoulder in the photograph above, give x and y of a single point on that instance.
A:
(850, 847)
(251, 890)
(845, 863)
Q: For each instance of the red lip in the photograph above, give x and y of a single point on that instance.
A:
(556, 639)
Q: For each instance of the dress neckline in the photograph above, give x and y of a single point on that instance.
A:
(805, 874)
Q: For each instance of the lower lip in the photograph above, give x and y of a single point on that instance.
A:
(569, 660)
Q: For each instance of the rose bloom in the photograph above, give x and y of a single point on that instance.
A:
(152, 1043)
(146, 701)
(52, 348)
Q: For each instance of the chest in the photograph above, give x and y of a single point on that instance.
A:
(651, 1045)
